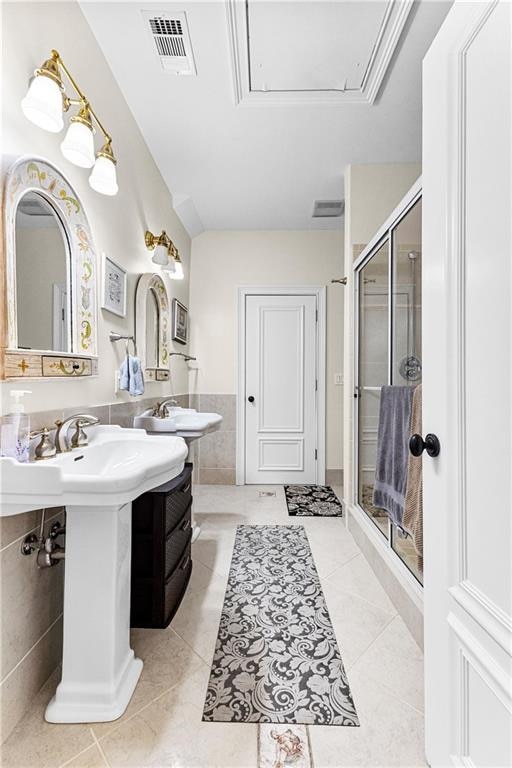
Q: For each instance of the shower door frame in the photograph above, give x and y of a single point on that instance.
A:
(385, 232)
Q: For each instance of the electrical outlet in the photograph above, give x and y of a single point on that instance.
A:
(338, 379)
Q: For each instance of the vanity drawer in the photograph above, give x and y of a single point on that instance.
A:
(161, 547)
(177, 503)
(66, 366)
(176, 585)
(164, 506)
(177, 541)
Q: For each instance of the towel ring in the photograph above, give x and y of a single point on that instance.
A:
(128, 346)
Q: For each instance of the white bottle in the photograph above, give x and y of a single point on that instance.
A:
(15, 436)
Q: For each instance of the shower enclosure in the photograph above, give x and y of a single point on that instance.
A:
(388, 350)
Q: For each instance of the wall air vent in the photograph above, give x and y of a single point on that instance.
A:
(171, 41)
(328, 208)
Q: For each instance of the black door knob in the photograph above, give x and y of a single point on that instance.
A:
(430, 444)
(251, 399)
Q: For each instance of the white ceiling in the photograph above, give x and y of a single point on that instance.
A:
(249, 165)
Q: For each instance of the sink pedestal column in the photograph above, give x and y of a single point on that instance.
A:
(99, 669)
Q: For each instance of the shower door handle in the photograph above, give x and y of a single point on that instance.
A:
(430, 444)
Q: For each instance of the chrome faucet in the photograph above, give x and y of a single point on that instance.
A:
(160, 409)
(79, 437)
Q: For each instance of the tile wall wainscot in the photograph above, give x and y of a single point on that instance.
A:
(214, 455)
(32, 599)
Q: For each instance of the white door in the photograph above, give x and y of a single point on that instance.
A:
(467, 387)
(280, 392)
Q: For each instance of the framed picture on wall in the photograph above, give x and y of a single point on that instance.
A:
(113, 297)
(179, 322)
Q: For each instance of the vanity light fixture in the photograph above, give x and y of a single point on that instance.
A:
(166, 254)
(160, 245)
(44, 104)
(178, 273)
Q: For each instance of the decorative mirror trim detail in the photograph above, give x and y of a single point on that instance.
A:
(147, 282)
(34, 174)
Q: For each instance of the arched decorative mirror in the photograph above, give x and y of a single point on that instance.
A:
(50, 276)
(152, 326)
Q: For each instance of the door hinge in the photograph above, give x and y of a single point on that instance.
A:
(316, 385)
(316, 315)
(316, 454)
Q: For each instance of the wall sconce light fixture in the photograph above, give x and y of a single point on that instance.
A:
(44, 104)
(166, 254)
(177, 273)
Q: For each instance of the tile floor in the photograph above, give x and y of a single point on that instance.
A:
(163, 727)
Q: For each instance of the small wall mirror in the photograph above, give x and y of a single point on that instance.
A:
(50, 276)
(42, 276)
(151, 329)
(152, 326)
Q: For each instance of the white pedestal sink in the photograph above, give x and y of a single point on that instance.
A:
(97, 485)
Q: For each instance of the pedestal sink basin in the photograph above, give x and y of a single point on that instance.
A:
(97, 485)
(184, 422)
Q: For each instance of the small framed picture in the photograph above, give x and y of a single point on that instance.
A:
(114, 287)
(179, 322)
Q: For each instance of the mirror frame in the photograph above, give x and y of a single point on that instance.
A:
(153, 281)
(35, 174)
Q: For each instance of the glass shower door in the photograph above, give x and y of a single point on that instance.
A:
(388, 283)
(406, 366)
(373, 346)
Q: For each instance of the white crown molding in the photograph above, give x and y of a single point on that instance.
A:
(396, 15)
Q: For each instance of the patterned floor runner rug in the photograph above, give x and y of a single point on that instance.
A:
(276, 658)
(312, 501)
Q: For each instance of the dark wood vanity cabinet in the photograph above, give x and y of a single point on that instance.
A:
(161, 551)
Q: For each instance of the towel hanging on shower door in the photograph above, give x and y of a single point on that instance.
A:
(413, 509)
(393, 451)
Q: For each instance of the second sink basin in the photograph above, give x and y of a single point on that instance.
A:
(183, 422)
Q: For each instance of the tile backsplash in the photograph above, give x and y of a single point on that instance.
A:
(214, 456)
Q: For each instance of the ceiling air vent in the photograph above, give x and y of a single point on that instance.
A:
(171, 41)
(328, 208)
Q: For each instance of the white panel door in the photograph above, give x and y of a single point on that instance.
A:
(280, 397)
(467, 387)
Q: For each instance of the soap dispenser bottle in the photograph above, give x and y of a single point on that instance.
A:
(15, 437)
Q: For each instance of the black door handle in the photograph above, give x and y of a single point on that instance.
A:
(430, 444)
(251, 399)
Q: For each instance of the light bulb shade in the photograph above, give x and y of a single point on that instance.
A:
(103, 177)
(178, 273)
(43, 104)
(170, 267)
(160, 256)
(78, 144)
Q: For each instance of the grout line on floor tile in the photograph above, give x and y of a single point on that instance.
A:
(361, 597)
(121, 722)
(346, 562)
(82, 751)
(142, 709)
(100, 748)
(351, 666)
(208, 663)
